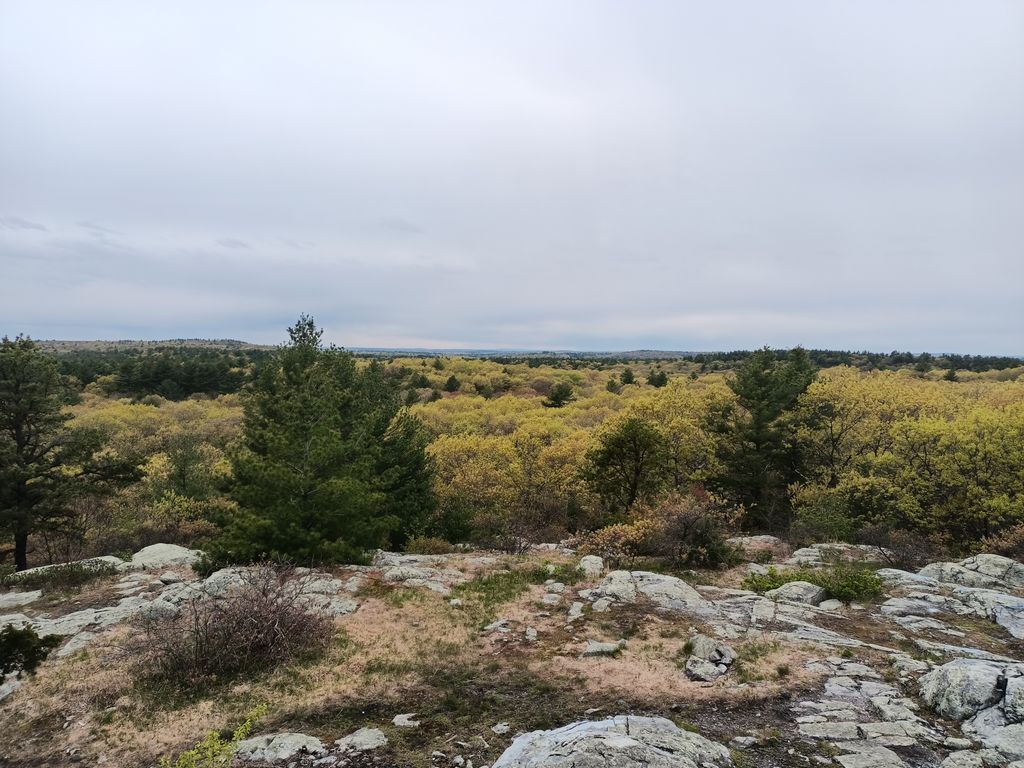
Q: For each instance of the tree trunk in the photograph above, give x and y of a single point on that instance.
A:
(20, 550)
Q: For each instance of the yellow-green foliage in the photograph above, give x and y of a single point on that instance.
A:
(213, 751)
(881, 447)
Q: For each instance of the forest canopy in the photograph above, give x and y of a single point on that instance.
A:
(315, 454)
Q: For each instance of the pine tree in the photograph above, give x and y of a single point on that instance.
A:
(758, 449)
(45, 465)
(329, 465)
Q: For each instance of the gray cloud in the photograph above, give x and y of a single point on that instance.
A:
(232, 242)
(16, 222)
(575, 175)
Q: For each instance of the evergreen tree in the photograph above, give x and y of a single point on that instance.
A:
(45, 466)
(627, 377)
(628, 465)
(453, 384)
(329, 465)
(758, 450)
(657, 378)
(559, 396)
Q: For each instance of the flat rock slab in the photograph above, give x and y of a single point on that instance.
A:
(618, 742)
(17, 599)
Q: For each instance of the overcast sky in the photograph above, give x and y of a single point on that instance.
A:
(581, 175)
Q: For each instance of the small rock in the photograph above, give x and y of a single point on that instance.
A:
(603, 605)
(597, 648)
(406, 720)
(592, 566)
(170, 577)
(702, 670)
(501, 728)
(362, 740)
(575, 612)
(744, 742)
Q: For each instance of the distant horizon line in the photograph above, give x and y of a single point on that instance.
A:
(454, 351)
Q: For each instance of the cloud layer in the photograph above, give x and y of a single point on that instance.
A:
(589, 175)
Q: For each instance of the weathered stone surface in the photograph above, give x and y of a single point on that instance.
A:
(219, 583)
(893, 577)
(703, 670)
(1013, 700)
(864, 754)
(1004, 609)
(821, 554)
(666, 591)
(592, 566)
(362, 740)
(710, 649)
(163, 556)
(278, 747)
(991, 728)
(798, 592)
(961, 688)
(618, 742)
(17, 599)
(955, 573)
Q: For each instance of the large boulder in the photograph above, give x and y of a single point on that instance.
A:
(665, 591)
(823, 554)
(1004, 609)
(1007, 571)
(163, 556)
(618, 742)
(954, 573)
(278, 748)
(797, 592)
(962, 688)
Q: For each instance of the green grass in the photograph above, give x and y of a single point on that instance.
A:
(844, 583)
(483, 595)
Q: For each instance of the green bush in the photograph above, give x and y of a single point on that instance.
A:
(842, 583)
(214, 751)
(428, 545)
(22, 650)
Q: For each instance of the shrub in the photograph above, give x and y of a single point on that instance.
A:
(259, 625)
(214, 751)
(686, 530)
(842, 583)
(619, 544)
(904, 549)
(65, 577)
(690, 530)
(428, 545)
(822, 520)
(22, 650)
(1009, 543)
